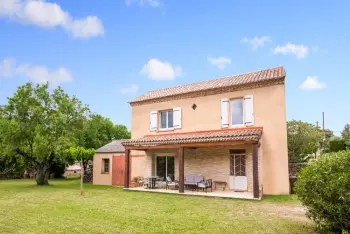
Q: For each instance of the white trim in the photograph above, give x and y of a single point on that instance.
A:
(166, 129)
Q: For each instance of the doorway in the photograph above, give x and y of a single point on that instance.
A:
(165, 167)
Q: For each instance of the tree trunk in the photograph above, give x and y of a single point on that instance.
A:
(42, 175)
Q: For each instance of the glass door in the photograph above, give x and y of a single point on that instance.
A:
(165, 166)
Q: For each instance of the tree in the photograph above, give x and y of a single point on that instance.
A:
(121, 132)
(346, 132)
(98, 131)
(84, 156)
(81, 154)
(303, 140)
(39, 126)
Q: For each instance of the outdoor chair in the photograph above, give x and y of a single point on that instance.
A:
(205, 185)
(146, 182)
(170, 183)
(160, 183)
(192, 181)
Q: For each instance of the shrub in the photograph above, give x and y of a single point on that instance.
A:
(337, 144)
(324, 188)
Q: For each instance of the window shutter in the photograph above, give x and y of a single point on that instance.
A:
(177, 117)
(224, 113)
(249, 110)
(153, 120)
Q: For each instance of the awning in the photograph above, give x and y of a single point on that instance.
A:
(234, 135)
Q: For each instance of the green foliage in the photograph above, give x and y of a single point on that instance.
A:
(57, 168)
(13, 167)
(337, 144)
(324, 188)
(303, 140)
(80, 153)
(39, 126)
(121, 132)
(346, 132)
(98, 131)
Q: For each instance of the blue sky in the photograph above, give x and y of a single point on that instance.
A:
(108, 52)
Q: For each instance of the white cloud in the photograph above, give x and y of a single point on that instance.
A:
(311, 83)
(300, 51)
(6, 67)
(256, 42)
(36, 73)
(132, 89)
(220, 62)
(158, 70)
(49, 15)
(152, 3)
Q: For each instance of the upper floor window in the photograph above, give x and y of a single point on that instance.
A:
(237, 112)
(166, 119)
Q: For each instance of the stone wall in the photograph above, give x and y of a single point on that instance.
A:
(211, 162)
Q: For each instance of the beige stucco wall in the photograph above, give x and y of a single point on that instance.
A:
(210, 162)
(137, 163)
(98, 176)
(269, 113)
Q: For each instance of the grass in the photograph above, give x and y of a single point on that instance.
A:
(59, 208)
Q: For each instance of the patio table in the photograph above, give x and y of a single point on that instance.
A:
(152, 180)
(220, 184)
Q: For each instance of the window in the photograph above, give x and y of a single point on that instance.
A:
(166, 119)
(105, 165)
(237, 112)
(165, 167)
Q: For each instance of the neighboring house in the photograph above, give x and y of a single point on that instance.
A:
(73, 170)
(108, 164)
(231, 129)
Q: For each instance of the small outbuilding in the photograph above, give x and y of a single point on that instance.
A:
(109, 164)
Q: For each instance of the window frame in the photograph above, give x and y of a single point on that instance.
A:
(167, 120)
(230, 112)
(103, 167)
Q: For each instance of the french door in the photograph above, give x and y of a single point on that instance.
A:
(238, 177)
(165, 166)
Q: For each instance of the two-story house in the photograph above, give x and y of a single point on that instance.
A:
(231, 129)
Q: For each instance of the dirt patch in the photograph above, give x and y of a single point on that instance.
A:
(290, 211)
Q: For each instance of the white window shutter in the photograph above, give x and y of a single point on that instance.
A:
(177, 117)
(249, 110)
(153, 119)
(224, 113)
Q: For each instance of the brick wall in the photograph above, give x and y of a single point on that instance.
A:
(211, 163)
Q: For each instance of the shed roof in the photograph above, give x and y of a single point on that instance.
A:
(113, 147)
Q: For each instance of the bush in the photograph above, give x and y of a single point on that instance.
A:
(337, 144)
(324, 188)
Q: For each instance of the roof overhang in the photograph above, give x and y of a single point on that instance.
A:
(212, 138)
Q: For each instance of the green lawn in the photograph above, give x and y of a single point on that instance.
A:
(59, 208)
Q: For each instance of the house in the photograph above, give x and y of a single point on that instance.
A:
(73, 170)
(231, 130)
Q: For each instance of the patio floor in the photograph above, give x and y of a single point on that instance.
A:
(217, 193)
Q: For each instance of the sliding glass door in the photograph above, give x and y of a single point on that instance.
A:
(165, 166)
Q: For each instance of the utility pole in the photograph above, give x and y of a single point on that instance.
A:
(324, 133)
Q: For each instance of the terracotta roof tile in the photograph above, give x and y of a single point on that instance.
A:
(240, 134)
(266, 75)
